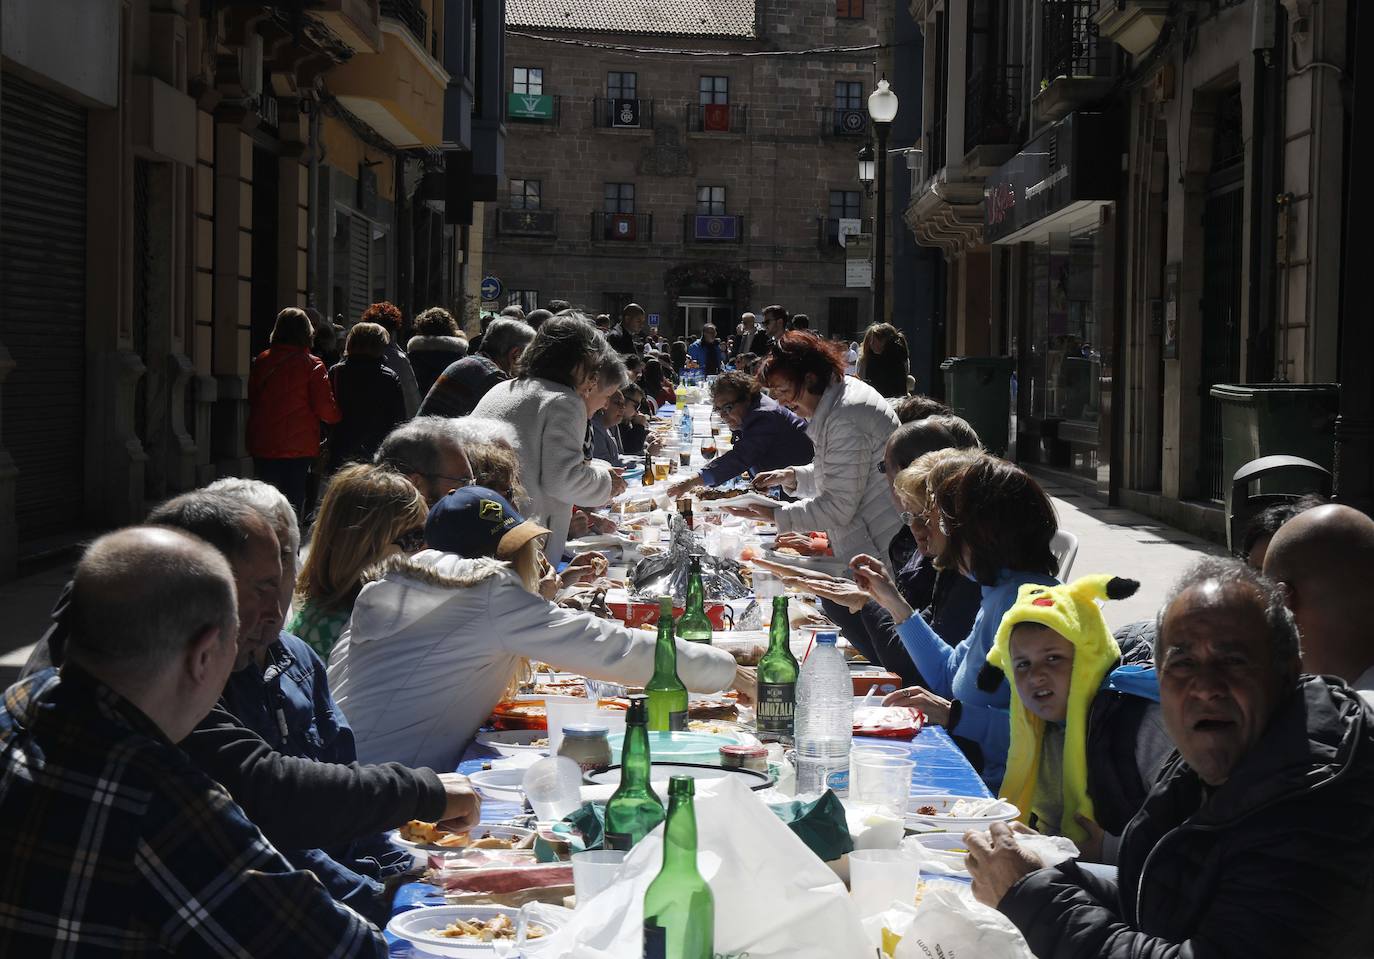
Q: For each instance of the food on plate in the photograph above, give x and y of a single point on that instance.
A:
(895, 721)
(712, 709)
(714, 727)
(973, 808)
(490, 930)
(574, 687)
(748, 655)
(787, 551)
(431, 834)
(928, 811)
(717, 494)
(637, 506)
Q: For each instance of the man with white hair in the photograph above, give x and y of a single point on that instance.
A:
(115, 842)
(427, 451)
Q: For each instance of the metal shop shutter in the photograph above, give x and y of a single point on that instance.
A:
(359, 266)
(43, 302)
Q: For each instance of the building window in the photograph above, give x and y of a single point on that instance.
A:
(713, 91)
(849, 9)
(849, 95)
(524, 194)
(527, 300)
(528, 80)
(711, 200)
(620, 198)
(621, 86)
(844, 204)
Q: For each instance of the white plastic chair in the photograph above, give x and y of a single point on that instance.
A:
(1064, 546)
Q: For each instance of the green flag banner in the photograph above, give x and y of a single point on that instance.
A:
(528, 106)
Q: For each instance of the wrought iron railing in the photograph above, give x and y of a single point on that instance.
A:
(992, 110)
(622, 227)
(837, 122)
(712, 228)
(717, 118)
(513, 222)
(828, 230)
(410, 13)
(1071, 44)
(622, 113)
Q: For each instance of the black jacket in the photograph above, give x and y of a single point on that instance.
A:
(370, 397)
(622, 340)
(431, 355)
(297, 803)
(1277, 862)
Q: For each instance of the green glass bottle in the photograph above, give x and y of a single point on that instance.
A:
(667, 694)
(777, 679)
(693, 626)
(634, 809)
(679, 910)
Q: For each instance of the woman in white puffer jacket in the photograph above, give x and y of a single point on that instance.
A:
(842, 491)
(437, 642)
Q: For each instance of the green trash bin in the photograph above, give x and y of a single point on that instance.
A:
(978, 388)
(1266, 419)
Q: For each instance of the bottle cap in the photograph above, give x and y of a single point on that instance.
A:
(744, 751)
(827, 638)
(585, 731)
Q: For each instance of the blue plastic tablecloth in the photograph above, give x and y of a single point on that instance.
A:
(940, 768)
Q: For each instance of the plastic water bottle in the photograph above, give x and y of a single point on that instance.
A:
(824, 719)
(685, 427)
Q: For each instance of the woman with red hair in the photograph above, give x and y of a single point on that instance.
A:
(387, 315)
(842, 492)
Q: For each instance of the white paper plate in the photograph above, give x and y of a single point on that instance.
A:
(417, 926)
(421, 851)
(999, 811)
(515, 742)
(502, 785)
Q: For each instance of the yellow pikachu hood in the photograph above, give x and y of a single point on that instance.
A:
(1070, 610)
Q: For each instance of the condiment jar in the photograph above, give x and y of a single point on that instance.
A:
(586, 744)
(744, 757)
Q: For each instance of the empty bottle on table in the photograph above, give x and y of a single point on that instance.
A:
(778, 671)
(824, 719)
(648, 478)
(666, 691)
(679, 910)
(634, 809)
(693, 625)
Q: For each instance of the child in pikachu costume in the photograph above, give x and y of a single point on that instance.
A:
(1061, 662)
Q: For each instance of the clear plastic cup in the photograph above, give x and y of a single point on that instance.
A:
(553, 786)
(880, 781)
(880, 877)
(877, 749)
(595, 870)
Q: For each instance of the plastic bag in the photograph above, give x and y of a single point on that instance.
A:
(948, 922)
(774, 899)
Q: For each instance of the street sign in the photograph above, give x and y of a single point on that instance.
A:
(491, 288)
(527, 106)
(653, 320)
(858, 273)
(847, 227)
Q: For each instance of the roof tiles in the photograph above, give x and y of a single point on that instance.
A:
(710, 18)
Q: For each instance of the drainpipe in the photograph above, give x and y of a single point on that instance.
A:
(313, 221)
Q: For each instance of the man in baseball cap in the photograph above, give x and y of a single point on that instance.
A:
(475, 521)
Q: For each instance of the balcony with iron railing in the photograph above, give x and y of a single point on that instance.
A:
(622, 113)
(838, 122)
(1078, 67)
(710, 229)
(716, 118)
(527, 223)
(622, 227)
(410, 13)
(828, 231)
(994, 121)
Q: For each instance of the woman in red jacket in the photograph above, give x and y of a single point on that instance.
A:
(288, 397)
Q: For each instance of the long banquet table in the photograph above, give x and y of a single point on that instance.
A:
(940, 768)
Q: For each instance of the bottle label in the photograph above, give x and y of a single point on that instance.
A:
(618, 840)
(838, 781)
(776, 708)
(655, 940)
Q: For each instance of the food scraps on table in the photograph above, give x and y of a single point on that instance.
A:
(486, 930)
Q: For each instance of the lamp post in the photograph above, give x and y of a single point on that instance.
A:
(882, 110)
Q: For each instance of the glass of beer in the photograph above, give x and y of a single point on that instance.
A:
(685, 457)
(662, 469)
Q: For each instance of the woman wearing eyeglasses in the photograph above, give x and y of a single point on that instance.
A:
(767, 436)
(842, 493)
(367, 514)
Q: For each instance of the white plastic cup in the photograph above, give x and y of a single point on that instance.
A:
(566, 711)
(880, 877)
(766, 585)
(881, 781)
(553, 786)
(876, 749)
(595, 870)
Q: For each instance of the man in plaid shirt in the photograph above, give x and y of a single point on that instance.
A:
(115, 843)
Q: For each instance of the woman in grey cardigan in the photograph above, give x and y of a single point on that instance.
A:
(546, 405)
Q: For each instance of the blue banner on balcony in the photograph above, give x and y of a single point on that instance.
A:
(715, 228)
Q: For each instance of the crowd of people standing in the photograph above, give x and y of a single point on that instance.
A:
(238, 697)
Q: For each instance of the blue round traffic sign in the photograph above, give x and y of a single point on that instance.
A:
(491, 288)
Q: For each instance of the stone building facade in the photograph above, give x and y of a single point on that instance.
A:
(723, 188)
(174, 172)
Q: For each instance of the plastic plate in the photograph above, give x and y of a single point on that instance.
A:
(419, 927)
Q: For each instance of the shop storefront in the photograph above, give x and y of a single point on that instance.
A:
(1050, 210)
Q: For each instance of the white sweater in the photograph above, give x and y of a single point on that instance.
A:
(843, 494)
(550, 422)
(433, 644)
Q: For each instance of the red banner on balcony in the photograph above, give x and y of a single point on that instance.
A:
(715, 117)
(620, 226)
